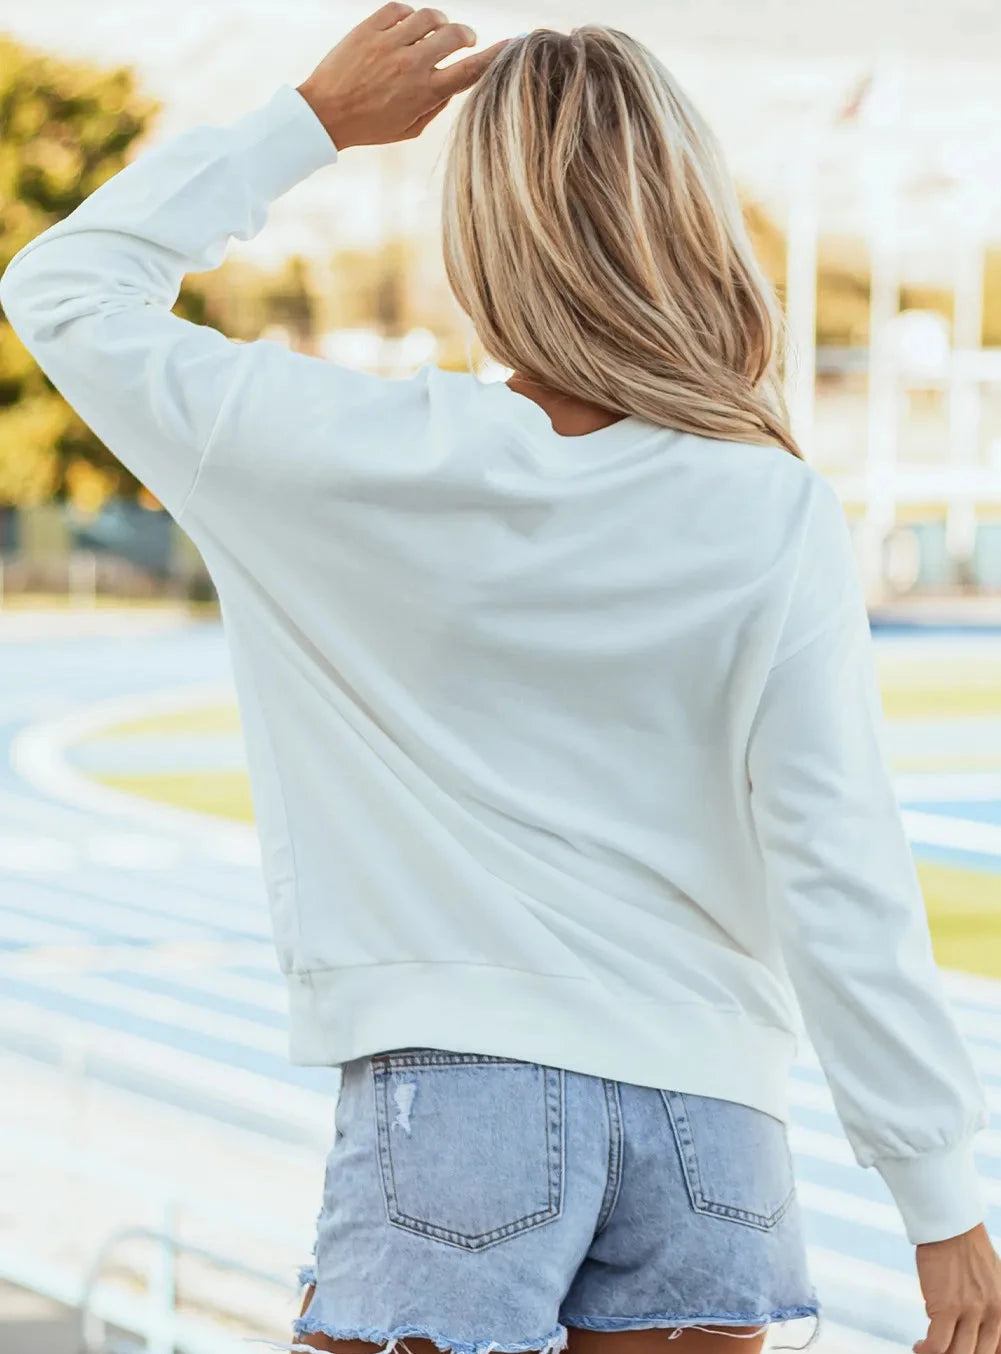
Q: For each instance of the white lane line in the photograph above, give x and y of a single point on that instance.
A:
(949, 785)
(816, 1095)
(810, 1142)
(171, 1011)
(37, 754)
(191, 898)
(810, 1095)
(24, 810)
(37, 855)
(863, 1275)
(34, 931)
(837, 1339)
(133, 851)
(182, 960)
(174, 899)
(118, 850)
(220, 982)
(936, 829)
(17, 627)
(973, 987)
(16, 709)
(176, 1067)
(837, 1203)
(939, 654)
(977, 1024)
(159, 754)
(118, 919)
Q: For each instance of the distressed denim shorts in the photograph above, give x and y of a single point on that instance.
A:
(487, 1204)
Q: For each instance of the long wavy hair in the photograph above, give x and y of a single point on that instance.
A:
(593, 235)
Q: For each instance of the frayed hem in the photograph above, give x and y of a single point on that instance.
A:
(388, 1342)
(817, 1315)
(307, 1275)
(705, 1321)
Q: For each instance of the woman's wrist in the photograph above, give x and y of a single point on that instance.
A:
(324, 106)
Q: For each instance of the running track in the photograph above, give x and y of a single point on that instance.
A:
(142, 940)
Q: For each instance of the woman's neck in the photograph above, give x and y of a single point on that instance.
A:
(569, 416)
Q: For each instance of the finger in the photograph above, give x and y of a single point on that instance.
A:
(460, 75)
(387, 16)
(420, 123)
(964, 1339)
(939, 1337)
(445, 40)
(990, 1335)
(419, 24)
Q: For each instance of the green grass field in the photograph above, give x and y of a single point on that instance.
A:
(226, 793)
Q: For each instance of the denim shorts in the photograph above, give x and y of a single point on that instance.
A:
(487, 1204)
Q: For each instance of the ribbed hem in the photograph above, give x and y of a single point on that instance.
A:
(340, 1014)
(712, 1322)
(939, 1194)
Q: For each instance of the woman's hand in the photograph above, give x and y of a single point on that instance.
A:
(381, 82)
(961, 1282)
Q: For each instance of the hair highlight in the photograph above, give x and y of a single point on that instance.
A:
(592, 233)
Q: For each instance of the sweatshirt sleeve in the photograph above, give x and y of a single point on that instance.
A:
(847, 902)
(91, 297)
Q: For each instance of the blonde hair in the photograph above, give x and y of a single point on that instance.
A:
(593, 235)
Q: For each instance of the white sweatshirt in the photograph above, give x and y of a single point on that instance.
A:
(563, 748)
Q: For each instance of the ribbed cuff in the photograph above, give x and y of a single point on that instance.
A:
(939, 1194)
(285, 142)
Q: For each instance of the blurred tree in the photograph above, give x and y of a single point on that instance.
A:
(241, 299)
(767, 241)
(291, 302)
(374, 287)
(67, 127)
(992, 298)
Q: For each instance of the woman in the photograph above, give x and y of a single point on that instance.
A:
(560, 711)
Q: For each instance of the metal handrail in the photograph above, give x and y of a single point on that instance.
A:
(160, 1333)
(156, 1319)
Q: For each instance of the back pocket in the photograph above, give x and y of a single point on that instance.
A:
(470, 1146)
(736, 1159)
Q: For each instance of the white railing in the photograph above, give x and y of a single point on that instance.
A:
(152, 1315)
(162, 1328)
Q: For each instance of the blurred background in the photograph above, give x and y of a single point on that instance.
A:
(142, 1019)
